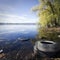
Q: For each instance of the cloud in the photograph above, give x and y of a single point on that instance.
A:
(12, 18)
(9, 11)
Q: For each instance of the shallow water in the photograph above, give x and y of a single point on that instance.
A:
(11, 44)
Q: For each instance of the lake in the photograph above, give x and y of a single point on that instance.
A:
(10, 42)
(11, 32)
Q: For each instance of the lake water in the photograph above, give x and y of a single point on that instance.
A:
(17, 31)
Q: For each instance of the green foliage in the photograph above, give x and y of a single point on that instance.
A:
(49, 34)
(48, 12)
(49, 16)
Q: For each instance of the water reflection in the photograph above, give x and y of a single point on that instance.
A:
(12, 31)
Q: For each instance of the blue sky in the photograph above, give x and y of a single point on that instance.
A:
(17, 11)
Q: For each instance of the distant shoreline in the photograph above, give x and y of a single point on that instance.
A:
(18, 23)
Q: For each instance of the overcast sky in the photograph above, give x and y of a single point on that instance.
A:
(17, 11)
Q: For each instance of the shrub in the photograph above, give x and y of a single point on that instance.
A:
(49, 33)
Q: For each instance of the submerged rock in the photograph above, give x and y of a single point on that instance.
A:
(1, 51)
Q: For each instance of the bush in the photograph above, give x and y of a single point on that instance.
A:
(49, 34)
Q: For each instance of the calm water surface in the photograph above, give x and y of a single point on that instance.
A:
(17, 31)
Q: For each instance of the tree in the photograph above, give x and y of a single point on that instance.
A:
(49, 16)
(48, 12)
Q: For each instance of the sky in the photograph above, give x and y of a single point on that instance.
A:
(17, 11)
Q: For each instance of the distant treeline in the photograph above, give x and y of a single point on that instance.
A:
(18, 23)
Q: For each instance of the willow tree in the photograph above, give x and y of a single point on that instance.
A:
(48, 12)
(49, 16)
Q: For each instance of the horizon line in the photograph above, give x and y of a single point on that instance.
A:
(18, 23)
